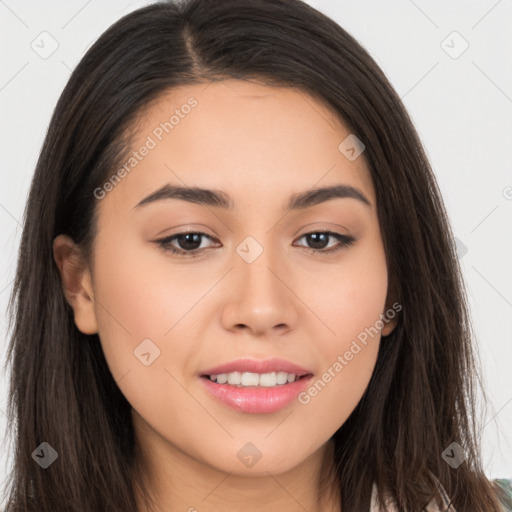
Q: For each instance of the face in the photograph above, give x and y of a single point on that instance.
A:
(256, 279)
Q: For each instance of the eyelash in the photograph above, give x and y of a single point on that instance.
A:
(344, 242)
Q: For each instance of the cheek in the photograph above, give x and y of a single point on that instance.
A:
(350, 297)
(146, 304)
(139, 307)
(141, 294)
(133, 302)
(334, 393)
(350, 301)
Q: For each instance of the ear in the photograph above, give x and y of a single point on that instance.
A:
(76, 283)
(392, 298)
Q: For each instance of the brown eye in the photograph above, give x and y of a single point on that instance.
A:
(188, 243)
(318, 241)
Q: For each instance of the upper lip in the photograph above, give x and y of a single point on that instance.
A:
(258, 366)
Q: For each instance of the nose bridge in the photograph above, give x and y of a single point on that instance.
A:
(257, 265)
(259, 299)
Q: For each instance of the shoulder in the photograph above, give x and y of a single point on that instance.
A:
(431, 507)
(504, 483)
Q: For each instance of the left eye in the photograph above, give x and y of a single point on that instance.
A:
(319, 238)
(191, 242)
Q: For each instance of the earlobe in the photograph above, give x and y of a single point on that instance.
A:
(76, 283)
(391, 312)
(389, 327)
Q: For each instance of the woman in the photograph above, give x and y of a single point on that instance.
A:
(310, 350)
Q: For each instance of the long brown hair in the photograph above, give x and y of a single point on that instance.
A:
(421, 397)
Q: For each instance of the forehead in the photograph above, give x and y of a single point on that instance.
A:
(243, 137)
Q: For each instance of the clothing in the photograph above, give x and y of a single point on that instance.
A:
(432, 507)
(505, 484)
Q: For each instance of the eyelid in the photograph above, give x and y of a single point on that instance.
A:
(317, 227)
(188, 228)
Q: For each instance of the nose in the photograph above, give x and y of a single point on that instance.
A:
(261, 299)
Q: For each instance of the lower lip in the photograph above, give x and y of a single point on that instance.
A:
(256, 400)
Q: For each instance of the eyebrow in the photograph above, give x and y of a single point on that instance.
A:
(219, 199)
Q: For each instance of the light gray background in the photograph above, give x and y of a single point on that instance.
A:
(462, 108)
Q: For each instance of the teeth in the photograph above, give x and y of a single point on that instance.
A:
(268, 380)
(235, 378)
(282, 377)
(250, 379)
(221, 379)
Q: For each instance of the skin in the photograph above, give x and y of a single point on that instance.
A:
(260, 145)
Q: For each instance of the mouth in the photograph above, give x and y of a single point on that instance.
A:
(256, 387)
